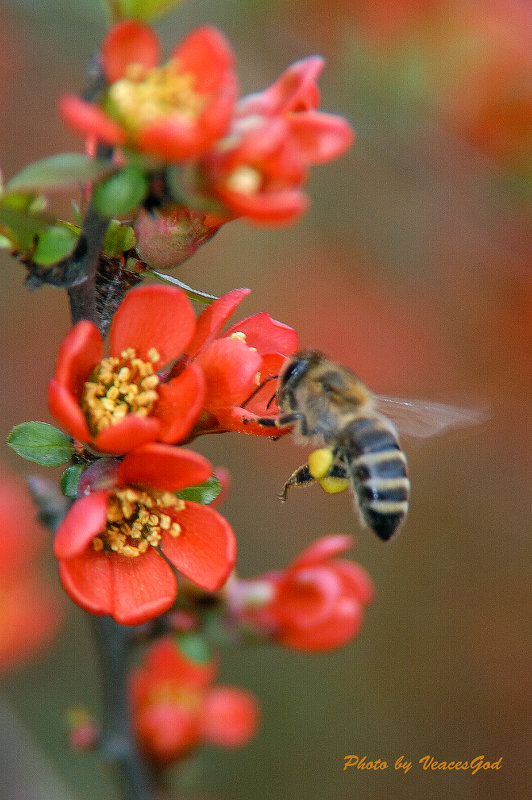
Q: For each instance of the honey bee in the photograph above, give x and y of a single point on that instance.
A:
(358, 447)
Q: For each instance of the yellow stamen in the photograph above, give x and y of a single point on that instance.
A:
(244, 180)
(137, 519)
(148, 95)
(120, 386)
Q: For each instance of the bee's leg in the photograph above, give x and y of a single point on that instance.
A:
(276, 422)
(300, 477)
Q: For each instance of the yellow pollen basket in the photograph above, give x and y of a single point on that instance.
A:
(145, 96)
(120, 386)
(137, 519)
(319, 463)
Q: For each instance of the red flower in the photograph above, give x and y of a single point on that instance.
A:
(111, 544)
(315, 604)
(120, 402)
(259, 169)
(176, 709)
(236, 362)
(174, 112)
(30, 611)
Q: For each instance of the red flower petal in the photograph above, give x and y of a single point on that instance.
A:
(266, 335)
(321, 137)
(79, 352)
(132, 590)
(275, 207)
(143, 587)
(322, 549)
(294, 90)
(211, 321)
(64, 407)
(230, 368)
(129, 42)
(173, 138)
(85, 520)
(163, 467)
(207, 54)
(231, 419)
(205, 550)
(307, 597)
(356, 580)
(88, 580)
(166, 662)
(89, 119)
(133, 431)
(334, 633)
(231, 716)
(153, 316)
(180, 404)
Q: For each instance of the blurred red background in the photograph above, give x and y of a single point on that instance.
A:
(413, 267)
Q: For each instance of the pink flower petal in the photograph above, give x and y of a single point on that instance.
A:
(321, 137)
(205, 550)
(153, 316)
(267, 208)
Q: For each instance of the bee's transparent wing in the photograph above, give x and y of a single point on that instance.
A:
(423, 418)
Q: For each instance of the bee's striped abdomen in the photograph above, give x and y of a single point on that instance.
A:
(377, 467)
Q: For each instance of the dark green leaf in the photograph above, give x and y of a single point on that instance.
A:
(70, 479)
(205, 493)
(58, 172)
(195, 647)
(192, 294)
(121, 193)
(40, 442)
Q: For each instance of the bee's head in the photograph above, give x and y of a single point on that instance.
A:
(297, 366)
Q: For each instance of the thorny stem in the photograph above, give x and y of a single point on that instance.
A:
(118, 745)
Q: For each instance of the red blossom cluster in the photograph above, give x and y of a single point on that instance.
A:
(245, 159)
(168, 377)
(176, 707)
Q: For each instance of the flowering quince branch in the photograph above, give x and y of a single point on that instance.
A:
(173, 154)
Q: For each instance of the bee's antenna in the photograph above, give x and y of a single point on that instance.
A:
(257, 390)
(270, 401)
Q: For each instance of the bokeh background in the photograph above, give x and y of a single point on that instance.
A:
(414, 267)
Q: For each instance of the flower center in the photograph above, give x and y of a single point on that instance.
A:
(137, 519)
(145, 96)
(244, 180)
(120, 386)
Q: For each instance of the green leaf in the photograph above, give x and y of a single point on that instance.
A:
(121, 193)
(59, 172)
(118, 239)
(40, 442)
(192, 294)
(141, 9)
(205, 493)
(53, 245)
(21, 227)
(70, 479)
(195, 647)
